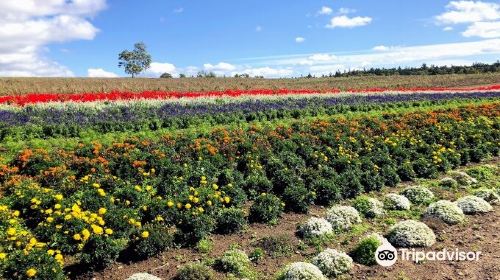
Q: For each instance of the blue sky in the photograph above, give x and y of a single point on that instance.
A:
(272, 38)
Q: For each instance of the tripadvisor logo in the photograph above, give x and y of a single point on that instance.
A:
(386, 254)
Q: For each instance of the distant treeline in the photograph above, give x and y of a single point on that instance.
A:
(475, 68)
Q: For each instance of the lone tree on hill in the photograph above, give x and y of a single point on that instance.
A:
(135, 61)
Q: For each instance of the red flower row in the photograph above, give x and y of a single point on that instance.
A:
(119, 95)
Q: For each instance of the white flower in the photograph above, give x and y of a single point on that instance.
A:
(315, 227)
(472, 204)
(333, 263)
(445, 211)
(301, 271)
(462, 178)
(343, 217)
(411, 233)
(418, 195)
(395, 201)
(489, 195)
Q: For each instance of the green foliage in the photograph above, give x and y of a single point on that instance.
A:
(257, 255)
(99, 251)
(267, 208)
(18, 265)
(205, 246)
(135, 61)
(230, 220)
(364, 252)
(193, 228)
(159, 240)
(236, 262)
(195, 271)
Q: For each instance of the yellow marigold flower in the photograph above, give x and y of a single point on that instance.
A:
(59, 257)
(96, 185)
(138, 188)
(170, 204)
(201, 210)
(31, 272)
(97, 229)
(16, 213)
(59, 226)
(32, 241)
(102, 211)
(58, 197)
(108, 231)
(187, 206)
(101, 192)
(196, 200)
(50, 219)
(227, 199)
(3, 256)
(215, 187)
(127, 202)
(11, 231)
(50, 252)
(86, 234)
(179, 205)
(144, 208)
(209, 202)
(149, 188)
(145, 234)
(77, 237)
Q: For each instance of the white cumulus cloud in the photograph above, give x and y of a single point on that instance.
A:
(27, 26)
(325, 10)
(160, 68)
(469, 11)
(483, 30)
(100, 73)
(300, 39)
(348, 22)
(221, 66)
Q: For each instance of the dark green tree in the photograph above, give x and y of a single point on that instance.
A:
(135, 61)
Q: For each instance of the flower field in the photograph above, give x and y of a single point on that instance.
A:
(86, 179)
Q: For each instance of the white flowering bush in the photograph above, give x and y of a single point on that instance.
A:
(394, 201)
(445, 211)
(143, 276)
(462, 178)
(491, 196)
(472, 205)
(448, 183)
(411, 233)
(368, 206)
(342, 217)
(332, 262)
(315, 227)
(301, 271)
(418, 195)
(235, 261)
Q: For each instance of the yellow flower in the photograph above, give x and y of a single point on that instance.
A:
(138, 188)
(101, 192)
(16, 213)
(58, 197)
(215, 187)
(11, 231)
(86, 234)
(97, 229)
(209, 202)
(50, 219)
(96, 185)
(179, 205)
(77, 237)
(227, 199)
(3, 256)
(108, 231)
(187, 206)
(50, 252)
(145, 234)
(170, 204)
(102, 211)
(196, 200)
(200, 209)
(31, 272)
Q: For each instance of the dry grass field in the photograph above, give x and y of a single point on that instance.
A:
(10, 86)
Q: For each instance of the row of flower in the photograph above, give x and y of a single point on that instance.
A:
(137, 198)
(31, 98)
(73, 119)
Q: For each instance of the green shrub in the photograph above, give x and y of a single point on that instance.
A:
(418, 195)
(448, 183)
(193, 228)
(257, 255)
(364, 253)
(159, 239)
(267, 208)
(298, 198)
(481, 173)
(98, 252)
(195, 271)
(368, 206)
(204, 246)
(230, 220)
(236, 262)
(37, 263)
